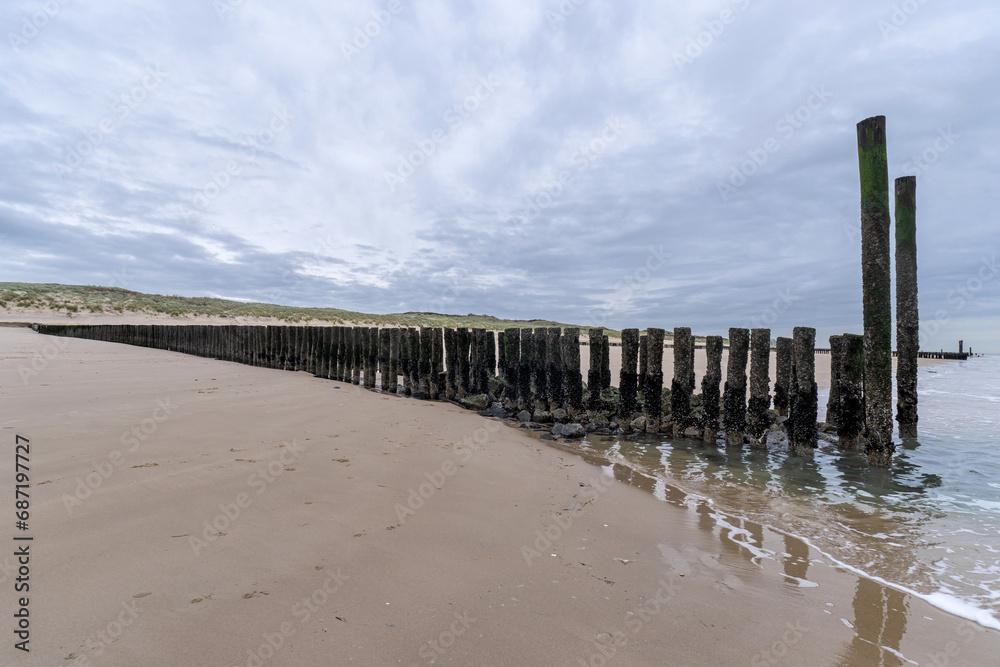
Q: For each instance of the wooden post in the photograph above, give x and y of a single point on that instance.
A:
(643, 361)
(836, 380)
(605, 362)
(572, 379)
(802, 421)
(394, 342)
(783, 369)
(435, 383)
(557, 391)
(384, 338)
(710, 388)
(758, 423)
(594, 375)
(491, 359)
(512, 360)
(424, 348)
(541, 369)
(851, 412)
(464, 362)
(653, 391)
(734, 401)
(525, 367)
(406, 361)
(907, 316)
(876, 279)
(680, 390)
(628, 379)
(450, 360)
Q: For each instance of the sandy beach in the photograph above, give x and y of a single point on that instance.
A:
(199, 512)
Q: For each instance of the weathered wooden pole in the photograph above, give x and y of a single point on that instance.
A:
(760, 396)
(605, 362)
(837, 351)
(907, 316)
(594, 375)
(628, 379)
(464, 366)
(371, 356)
(541, 402)
(557, 390)
(405, 361)
(425, 348)
(851, 412)
(512, 367)
(394, 342)
(491, 358)
(734, 401)
(802, 420)
(572, 379)
(680, 387)
(653, 391)
(385, 382)
(450, 360)
(524, 370)
(436, 376)
(643, 361)
(356, 355)
(876, 280)
(783, 369)
(710, 388)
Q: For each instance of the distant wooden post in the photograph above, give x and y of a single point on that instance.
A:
(758, 422)
(680, 387)
(371, 356)
(384, 342)
(491, 358)
(557, 391)
(783, 370)
(851, 413)
(876, 279)
(802, 434)
(435, 377)
(605, 362)
(395, 339)
(572, 377)
(734, 401)
(356, 358)
(907, 316)
(654, 379)
(594, 374)
(450, 361)
(463, 368)
(541, 369)
(710, 388)
(837, 351)
(643, 361)
(524, 369)
(424, 347)
(406, 360)
(628, 379)
(512, 360)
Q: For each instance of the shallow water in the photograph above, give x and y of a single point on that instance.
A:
(930, 525)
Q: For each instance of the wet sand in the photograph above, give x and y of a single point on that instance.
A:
(356, 528)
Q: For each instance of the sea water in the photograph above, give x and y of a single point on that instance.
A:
(929, 525)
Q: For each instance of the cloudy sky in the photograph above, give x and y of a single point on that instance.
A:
(601, 162)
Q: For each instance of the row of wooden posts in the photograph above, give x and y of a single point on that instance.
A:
(538, 370)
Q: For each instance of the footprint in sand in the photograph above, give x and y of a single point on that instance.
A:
(247, 596)
(146, 465)
(141, 595)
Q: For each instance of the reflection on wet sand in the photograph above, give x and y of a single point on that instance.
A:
(879, 625)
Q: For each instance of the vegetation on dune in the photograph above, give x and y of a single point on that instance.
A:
(115, 300)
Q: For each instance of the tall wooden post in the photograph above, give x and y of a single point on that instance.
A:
(395, 339)
(557, 390)
(628, 379)
(525, 366)
(783, 369)
(463, 368)
(435, 376)
(837, 350)
(760, 396)
(710, 388)
(571, 370)
(594, 374)
(876, 279)
(541, 402)
(653, 390)
(681, 387)
(643, 361)
(907, 317)
(734, 397)
(802, 434)
(512, 367)
(384, 342)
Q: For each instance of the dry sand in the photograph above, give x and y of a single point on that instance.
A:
(322, 550)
